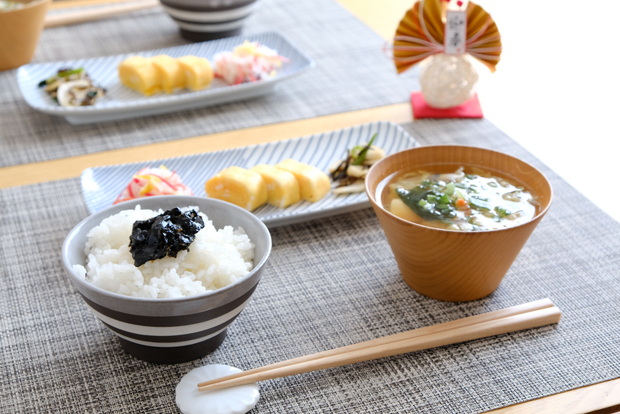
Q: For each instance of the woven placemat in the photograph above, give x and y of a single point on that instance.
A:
(329, 282)
(352, 72)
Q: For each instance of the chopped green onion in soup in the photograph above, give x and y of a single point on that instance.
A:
(459, 201)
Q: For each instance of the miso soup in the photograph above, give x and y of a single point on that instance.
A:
(464, 200)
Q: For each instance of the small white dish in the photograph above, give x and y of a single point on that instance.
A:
(121, 102)
(233, 400)
(101, 185)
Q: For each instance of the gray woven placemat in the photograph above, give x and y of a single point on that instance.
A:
(351, 72)
(329, 283)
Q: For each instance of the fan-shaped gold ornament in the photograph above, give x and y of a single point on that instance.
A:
(421, 33)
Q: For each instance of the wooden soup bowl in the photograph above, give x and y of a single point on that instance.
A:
(19, 33)
(452, 265)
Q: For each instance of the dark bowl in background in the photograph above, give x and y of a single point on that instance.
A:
(201, 20)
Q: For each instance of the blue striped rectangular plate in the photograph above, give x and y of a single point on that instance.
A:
(101, 185)
(123, 103)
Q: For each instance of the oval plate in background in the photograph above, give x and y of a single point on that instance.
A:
(121, 102)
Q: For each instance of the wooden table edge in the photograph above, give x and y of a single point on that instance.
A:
(40, 172)
(599, 398)
(71, 4)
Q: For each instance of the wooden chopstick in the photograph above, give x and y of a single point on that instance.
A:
(81, 16)
(525, 316)
(514, 310)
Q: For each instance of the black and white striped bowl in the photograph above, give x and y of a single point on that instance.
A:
(170, 330)
(209, 19)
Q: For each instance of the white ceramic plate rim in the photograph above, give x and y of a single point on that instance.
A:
(101, 185)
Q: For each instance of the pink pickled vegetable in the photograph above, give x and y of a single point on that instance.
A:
(248, 62)
(153, 181)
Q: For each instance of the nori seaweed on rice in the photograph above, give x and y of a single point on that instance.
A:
(163, 235)
(217, 258)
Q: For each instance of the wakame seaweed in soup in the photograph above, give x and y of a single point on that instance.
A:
(462, 200)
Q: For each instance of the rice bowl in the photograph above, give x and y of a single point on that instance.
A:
(170, 329)
(216, 258)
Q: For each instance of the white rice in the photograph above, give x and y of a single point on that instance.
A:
(216, 258)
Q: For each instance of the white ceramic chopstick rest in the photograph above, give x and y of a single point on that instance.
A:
(233, 400)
